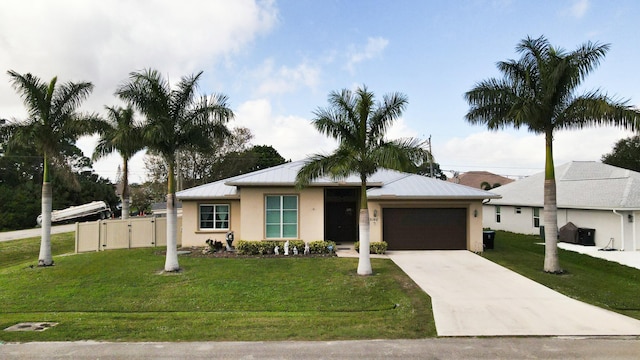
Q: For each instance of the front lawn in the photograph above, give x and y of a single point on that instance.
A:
(596, 281)
(120, 295)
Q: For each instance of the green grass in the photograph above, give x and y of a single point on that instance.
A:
(119, 295)
(24, 250)
(596, 281)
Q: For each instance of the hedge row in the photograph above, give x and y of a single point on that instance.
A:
(244, 247)
(376, 247)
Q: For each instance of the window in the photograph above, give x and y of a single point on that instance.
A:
(497, 214)
(518, 210)
(214, 216)
(536, 217)
(281, 216)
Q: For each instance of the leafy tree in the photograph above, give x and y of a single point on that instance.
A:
(236, 163)
(177, 119)
(120, 132)
(21, 174)
(52, 124)
(359, 124)
(142, 196)
(424, 169)
(625, 154)
(230, 158)
(539, 91)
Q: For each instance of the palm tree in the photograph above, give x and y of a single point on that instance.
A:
(359, 124)
(538, 91)
(176, 119)
(53, 124)
(119, 132)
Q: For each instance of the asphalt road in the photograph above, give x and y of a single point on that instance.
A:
(27, 233)
(438, 348)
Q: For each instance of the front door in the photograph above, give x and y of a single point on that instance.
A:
(341, 215)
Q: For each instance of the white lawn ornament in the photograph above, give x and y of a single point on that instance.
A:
(286, 248)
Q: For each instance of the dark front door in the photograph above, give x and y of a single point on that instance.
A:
(341, 215)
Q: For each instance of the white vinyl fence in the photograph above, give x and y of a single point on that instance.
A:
(136, 232)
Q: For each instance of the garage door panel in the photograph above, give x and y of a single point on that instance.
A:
(425, 229)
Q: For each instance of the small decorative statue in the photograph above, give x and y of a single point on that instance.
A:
(229, 238)
(295, 250)
(306, 248)
(276, 250)
(286, 248)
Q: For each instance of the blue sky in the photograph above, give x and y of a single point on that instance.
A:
(278, 60)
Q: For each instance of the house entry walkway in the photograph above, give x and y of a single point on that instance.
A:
(473, 296)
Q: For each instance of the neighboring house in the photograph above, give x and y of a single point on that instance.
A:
(479, 179)
(591, 195)
(160, 208)
(407, 211)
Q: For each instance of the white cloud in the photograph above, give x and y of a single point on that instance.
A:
(373, 48)
(579, 8)
(521, 153)
(103, 41)
(285, 79)
(400, 130)
(293, 137)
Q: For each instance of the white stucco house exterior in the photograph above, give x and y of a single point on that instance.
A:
(590, 194)
(408, 211)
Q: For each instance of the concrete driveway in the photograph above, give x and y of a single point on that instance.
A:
(27, 233)
(473, 296)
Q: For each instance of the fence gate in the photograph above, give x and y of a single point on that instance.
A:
(123, 234)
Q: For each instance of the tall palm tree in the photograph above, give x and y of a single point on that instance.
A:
(120, 132)
(359, 124)
(176, 119)
(539, 91)
(53, 123)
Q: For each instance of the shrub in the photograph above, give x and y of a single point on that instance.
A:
(322, 247)
(376, 247)
(244, 247)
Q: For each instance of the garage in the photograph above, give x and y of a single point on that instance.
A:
(425, 228)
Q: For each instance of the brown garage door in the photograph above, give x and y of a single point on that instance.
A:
(425, 229)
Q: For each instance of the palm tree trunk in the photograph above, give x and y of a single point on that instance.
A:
(551, 262)
(45, 259)
(364, 259)
(171, 261)
(125, 190)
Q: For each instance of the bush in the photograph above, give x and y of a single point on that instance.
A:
(376, 247)
(322, 247)
(244, 247)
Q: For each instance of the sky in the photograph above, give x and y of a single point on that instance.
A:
(277, 61)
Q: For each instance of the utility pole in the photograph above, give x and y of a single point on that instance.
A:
(430, 159)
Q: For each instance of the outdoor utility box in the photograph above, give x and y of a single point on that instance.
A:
(568, 233)
(487, 239)
(587, 237)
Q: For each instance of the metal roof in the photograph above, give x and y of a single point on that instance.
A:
(579, 185)
(383, 184)
(421, 187)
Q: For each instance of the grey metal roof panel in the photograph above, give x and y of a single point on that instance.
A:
(212, 190)
(384, 183)
(579, 184)
(285, 175)
(417, 186)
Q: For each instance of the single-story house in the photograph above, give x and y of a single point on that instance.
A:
(591, 195)
(407, 211)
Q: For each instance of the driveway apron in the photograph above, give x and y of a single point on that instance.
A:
(473, 296)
